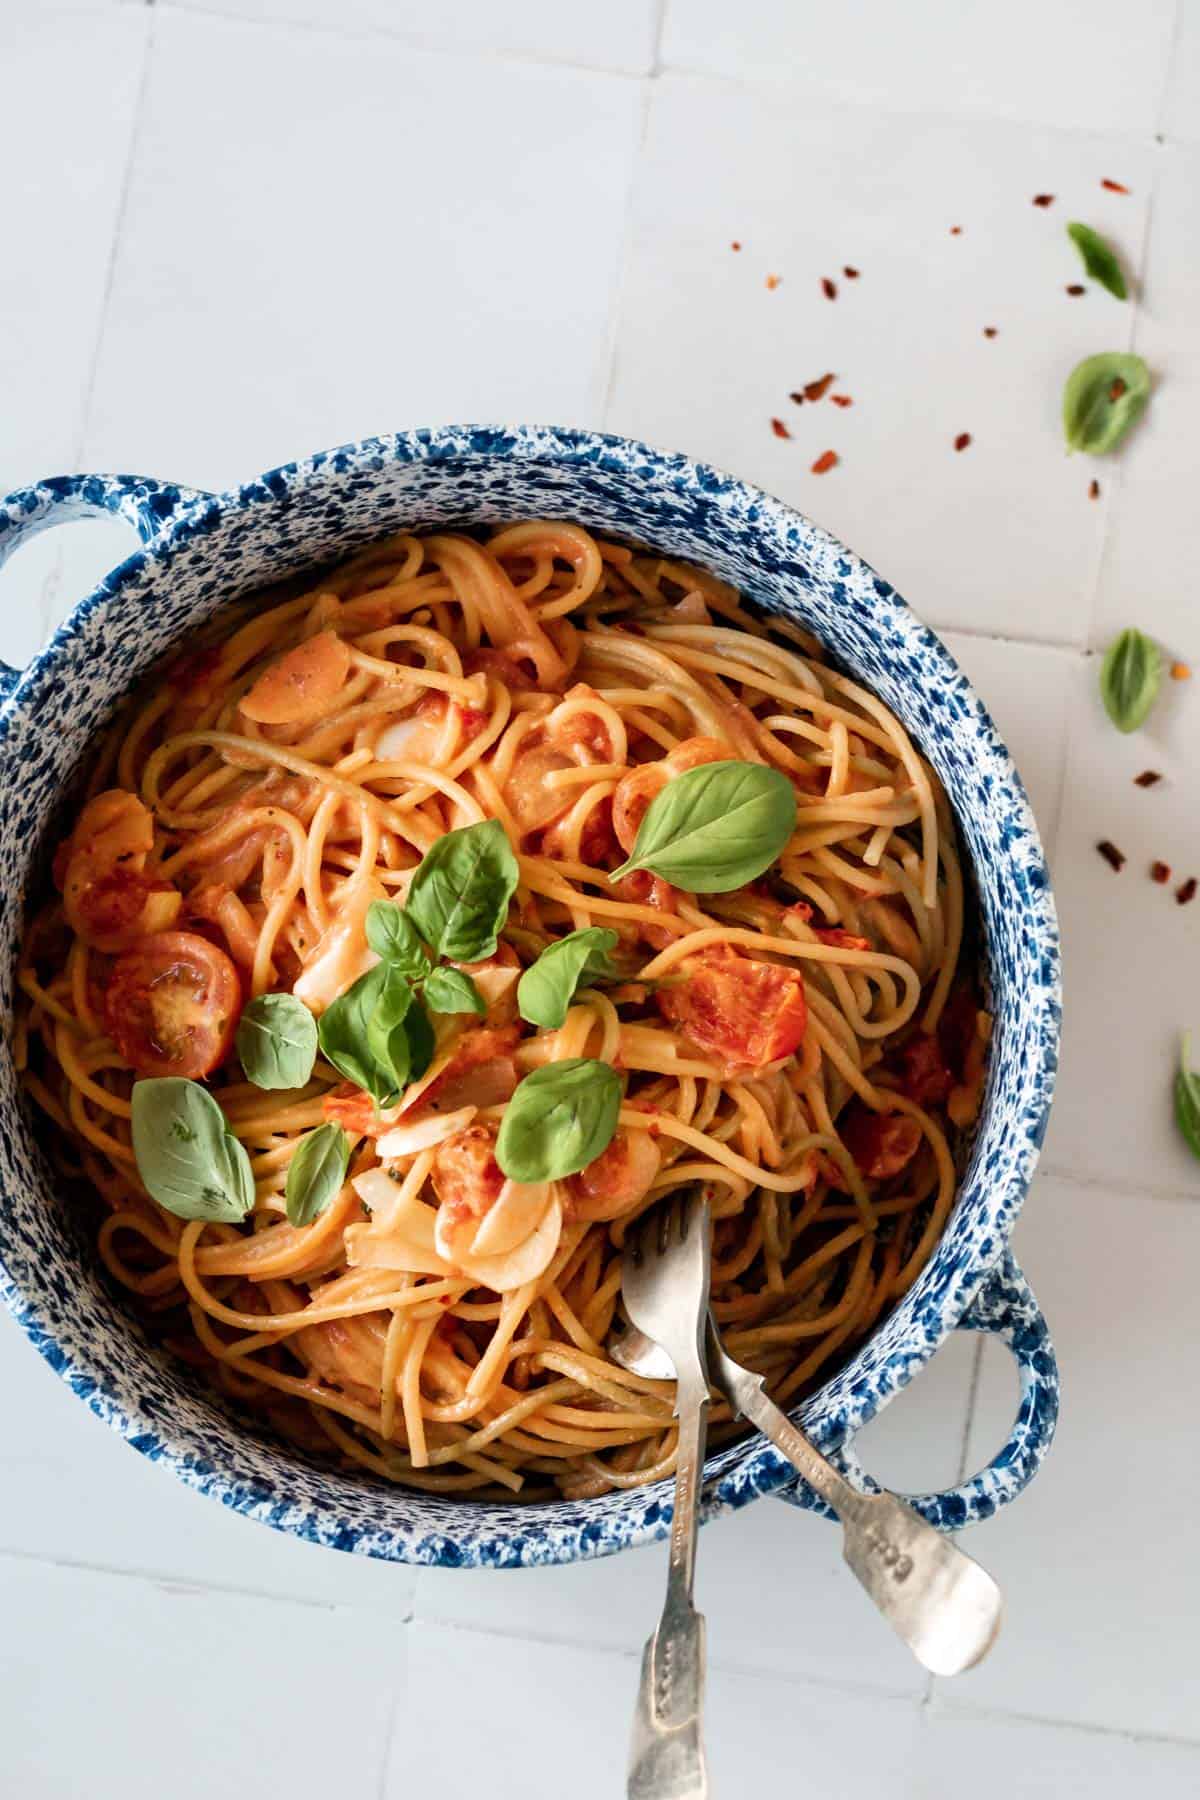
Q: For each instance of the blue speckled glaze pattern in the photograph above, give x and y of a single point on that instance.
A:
(201, 550)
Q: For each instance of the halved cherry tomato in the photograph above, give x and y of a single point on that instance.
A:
(301, 684)
(744, 1012)
(880, 1143)
(172, 1005)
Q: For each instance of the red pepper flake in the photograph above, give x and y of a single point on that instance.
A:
(1147, 778)
(1093, 490)
(1075, 289)
(736, 244)
(780, 429)
(1160, 872)
(1187, 891)
(956, 231)
(1113, 857)
(989, 331)
(1180, 672)
(798, 398)
(841, 399)
(828, 288)
(962, 440)
(817, 390)
(773, 282)
(849, 273)
(826, 461)
(1117, 389)
(1114, 187)
(1043, 199)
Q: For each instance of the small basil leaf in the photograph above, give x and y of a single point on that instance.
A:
(277, 1041)
(1103, 398)
(559, 1120)
(387, 1039)
(715, 828)
(342, 1033)
(1187, 1098)
(546, 990)
(316, 1173)
(393, 937)
(1098, 259)
(459, 896)
(188, 1158)
(1129, 679)
(453, 991)
(419, 1032)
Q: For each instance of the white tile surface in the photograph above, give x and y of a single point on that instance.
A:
(1001, 537)
(345, 262)
(620, 34)
(136, 1517)
(1098, 1559)
(1007, 1757)
(1065, 63)
(346, 215)
(528, 1722)
(132, 1688)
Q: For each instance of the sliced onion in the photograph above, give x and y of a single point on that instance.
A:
(531, 1258)
(424, 1133)
(342, 953)
(400, 1236)
(512, 1218)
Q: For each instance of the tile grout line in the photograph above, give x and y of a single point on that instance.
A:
(1123, 1190)
(660, 26)
(368, 34)
(625, 259)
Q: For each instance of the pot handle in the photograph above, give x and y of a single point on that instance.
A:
(1005, 1306)
(149, 506)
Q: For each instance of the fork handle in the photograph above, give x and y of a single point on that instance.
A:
(666, 1755)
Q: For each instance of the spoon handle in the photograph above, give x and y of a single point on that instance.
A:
(936, 1597)
(666, 1755)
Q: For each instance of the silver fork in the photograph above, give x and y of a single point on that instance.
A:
(938, 1599)
(664, 1283)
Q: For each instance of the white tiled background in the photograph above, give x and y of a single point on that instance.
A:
(239, 230)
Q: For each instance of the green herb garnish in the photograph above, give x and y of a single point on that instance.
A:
(561, 1118)
(316, 1173)
(1099, 259)
(186, 1155)
(546, 990)
(1129, 679)
(1104, 397)
(715, 828)
(277, 1041)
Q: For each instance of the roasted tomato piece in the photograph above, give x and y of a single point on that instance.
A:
(746, 1013)
(116, 909)
(172, 1005)
(302, 683)
(467, 1179)
(517, 677)
(841, 940)
(921, 1068)
(618, 1178)
(881, 1143)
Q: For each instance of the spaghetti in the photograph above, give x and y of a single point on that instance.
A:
(807, 1044)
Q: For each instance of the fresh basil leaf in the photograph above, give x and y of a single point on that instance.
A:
(342, 1033)
(387, 1040)
(1187, 1098)
(393, 937)
(453, 991)
(188, 1158)
(546, 990)
(1098, 259)
(1129, 679)
(1103, 398)
(459, 896)
(419, 1032)
(316, 1173)
(277, 1041)
(715, 828)
(560, 1119)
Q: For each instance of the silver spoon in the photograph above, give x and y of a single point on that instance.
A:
(937, 1598)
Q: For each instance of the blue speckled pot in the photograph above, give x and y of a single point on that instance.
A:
(199, 550)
